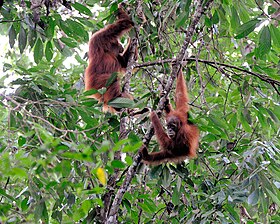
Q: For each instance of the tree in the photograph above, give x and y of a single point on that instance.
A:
(63, 160)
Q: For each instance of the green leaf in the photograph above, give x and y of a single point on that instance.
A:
(246, 28)
(4, 194)
(166, 177)
(69, 42)
(220, 122)
(244, 123)
(21, 141)
(24, 204)
(272, 115)
(82, 9)
(77, 30)
(215, 18)
(112, 78)
(233, 122)
(128, 160)
(181, 20)
(38, 51)
(147, 12)
(175, 196)
(114, 7)
(41, 211)
(22, 39)
(19, 172)
(155, 172)
(274, 197)
(265, 41)
(90, 92)
(32, 37)
(49, 51)
(275, 34)
(76, 156)
(207, 22)
(121, 102)
(187, 7)
(50, 29)
(144, 207)
(243, 12)
(261, 119)
(234, 20)
(169, 11)
(233, 215)
(12, 36)
(7, 67)
(118, 164)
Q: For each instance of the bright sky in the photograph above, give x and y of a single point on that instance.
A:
(4, 43)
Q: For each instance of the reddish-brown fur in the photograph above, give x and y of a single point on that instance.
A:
(185, 142)
(106, 56)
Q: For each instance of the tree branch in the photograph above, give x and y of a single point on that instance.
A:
(112, 218)
(123, 132)
(130, 66)
(264, 78)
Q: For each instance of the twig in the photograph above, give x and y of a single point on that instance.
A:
(10, 21)
(262, 77)
(202, 85)
(130, 66)
(5, 187)
(227, 97)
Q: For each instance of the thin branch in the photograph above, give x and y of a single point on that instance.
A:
(262, 77)
(5, 187)
(202, 85)
(130, 66)
(10, 21)
(123, 131)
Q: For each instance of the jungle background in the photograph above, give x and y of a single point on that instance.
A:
(62, 160)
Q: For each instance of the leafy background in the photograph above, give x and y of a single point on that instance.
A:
(58, 149)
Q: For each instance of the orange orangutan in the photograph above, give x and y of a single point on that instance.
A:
(181, 140)
(107, 56)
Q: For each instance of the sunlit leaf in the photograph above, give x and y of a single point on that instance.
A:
(118, 164)
(101, 175)
(121, 102)
(274, 197)
(264, 41)
(181, 20)
(21, 141)
(50, 28)
(275, 34)
(82, 9)
(69, 42)
(246, 28)
(234, 19)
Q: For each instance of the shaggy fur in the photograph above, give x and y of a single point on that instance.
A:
(183, 142)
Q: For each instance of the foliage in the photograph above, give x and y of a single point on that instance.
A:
(58, 150)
